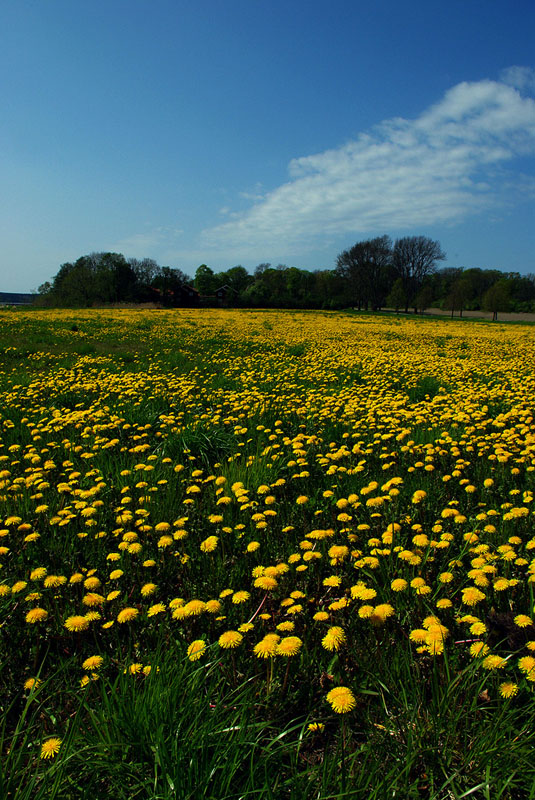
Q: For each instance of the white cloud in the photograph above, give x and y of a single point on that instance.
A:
(522, 78)
(442, 167)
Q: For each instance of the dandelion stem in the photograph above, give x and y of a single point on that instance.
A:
(285, 681)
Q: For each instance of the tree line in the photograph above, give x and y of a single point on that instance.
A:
(373, 274)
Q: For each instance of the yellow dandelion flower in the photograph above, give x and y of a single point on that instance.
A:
(478, 628)
(418, 635)
(196, 649)
(209, 544)
(382, 612)
(479, 649)
(36, 615)
(50, 747)
(245, 627)
(127, 615)
(341, 699)
(38, 573)
(334, 638)
(32, 683)
(93, 662)
(471, 596)
(508, 689)
(417, 583)
(240, 597)
(492, 662)
(286, 626)
(316, 727)
(90, 583)
(289, 646)
(165, 541)
(266, 582)
(194, 608)
(157, 608)
(526, 664)
(93, 599)
(332, 580)
(267, 646)
(161, 527)
(76, 623)
(230, 639)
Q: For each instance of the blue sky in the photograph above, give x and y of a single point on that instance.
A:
(243, 131)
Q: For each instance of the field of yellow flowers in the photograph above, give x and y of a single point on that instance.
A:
(266, 554)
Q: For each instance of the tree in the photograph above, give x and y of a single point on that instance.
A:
(45, 288)
(237, 278)
(496, 298)
(363, 268)
(414, 258)
(168, 282)
(396, 299)
(328, 289)
(424, 298)
(458, 296)
(145, 271)
(204, 280)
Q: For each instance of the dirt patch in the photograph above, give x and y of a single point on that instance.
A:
(503, 316)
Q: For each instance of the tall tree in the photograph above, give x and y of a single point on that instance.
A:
(396, 298)
(458, 296)
(496, 298)
(205, 280)
(363, 267)
(237, 278)
(414, 258)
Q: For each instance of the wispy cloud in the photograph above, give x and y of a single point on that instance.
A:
(522, 78)
(442, 167)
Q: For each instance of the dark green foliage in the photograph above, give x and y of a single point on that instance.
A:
(370, 275)
(107, 278)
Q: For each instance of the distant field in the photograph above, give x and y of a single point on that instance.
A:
(266, 555)
(503, 316)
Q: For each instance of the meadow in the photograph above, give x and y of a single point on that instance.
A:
(283, 555)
